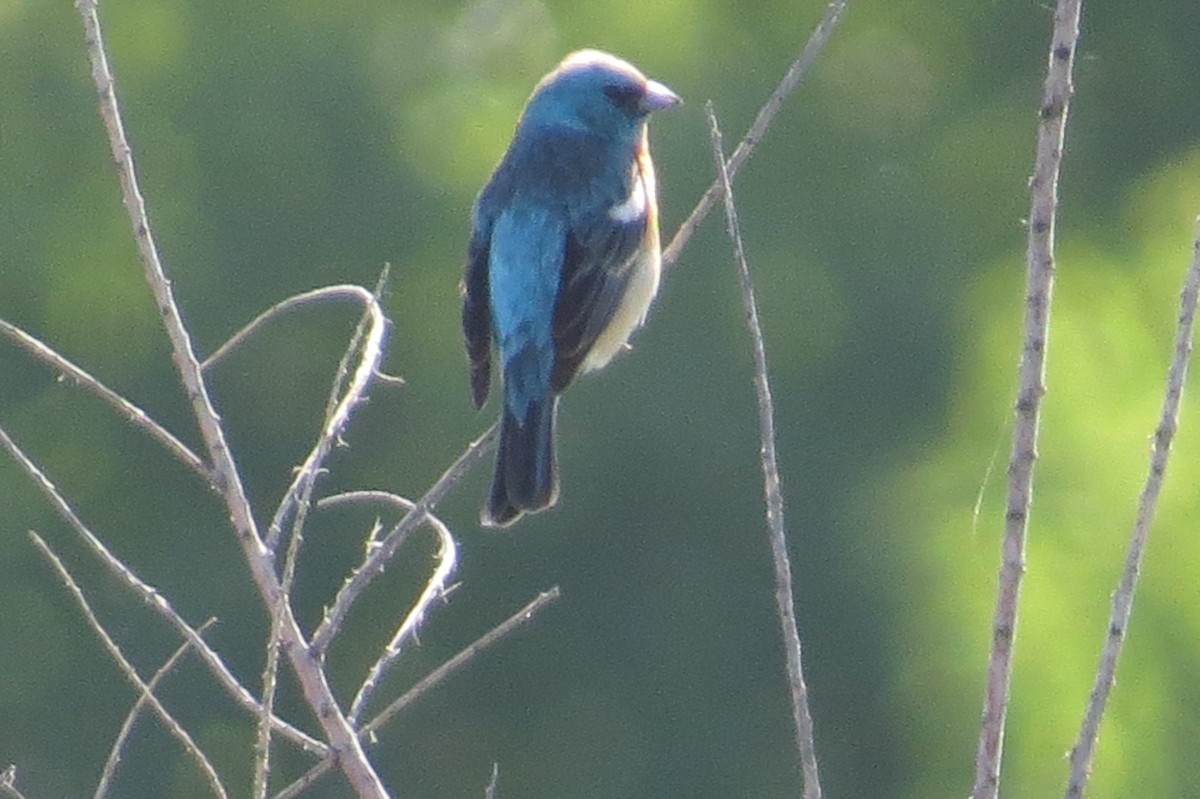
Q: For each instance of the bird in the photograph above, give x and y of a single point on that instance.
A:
(563, 261)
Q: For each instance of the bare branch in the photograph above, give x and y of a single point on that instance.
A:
(1052, 123)
(350, 756)
(462, 659)
(182, 352)
(114, 754)
(173, 726)
(130, 412)
(365, 324)
(151, 596)
(1122, 600)
(762, 122)
(262, 738)
(428, 683)
(492, 791)
(318, 296)
(338, 413)
(379, 554)
(435, 588)
(772, 490)
(335, 406)
(8, 783)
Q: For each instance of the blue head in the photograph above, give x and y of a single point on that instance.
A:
(599, 94)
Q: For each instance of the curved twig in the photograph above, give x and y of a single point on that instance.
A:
(336, 405)
(318, 694)
(435, 588)
(379, 554)
(372, 329)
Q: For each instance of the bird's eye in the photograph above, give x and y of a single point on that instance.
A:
(623, 96)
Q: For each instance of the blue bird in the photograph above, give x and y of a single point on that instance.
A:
(564, 259)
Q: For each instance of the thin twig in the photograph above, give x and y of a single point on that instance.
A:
(435, 589)
(151, 596)
(337, 411)
(114, 753)
(393, 499)
(182, 352)
(1052, 123)
(132, 413)
(378, 555)
(270, 678)
(318, 694)
(463, 658)
(428, 683)
(336, 406)
(492, 791)
(762, 122)
(1122, 601)
(173, 726)
(371, 355)
(282, 308)
(8, 783)
(367, 343)
(772, 490)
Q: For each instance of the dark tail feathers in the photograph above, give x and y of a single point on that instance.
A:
(526, 479)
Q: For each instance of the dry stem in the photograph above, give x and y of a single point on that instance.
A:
(1052, 122)
(126, 409)
(114, 753)
(147, 693)
(428, 683)
(762, 122)
(350, 755)
(1122, 600)
(772, 490)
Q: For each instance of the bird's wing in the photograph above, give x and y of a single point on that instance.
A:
(597, 265)
(477, 314)
(524, 266)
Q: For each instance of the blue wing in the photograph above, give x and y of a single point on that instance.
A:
(524, 264)
(578, 181)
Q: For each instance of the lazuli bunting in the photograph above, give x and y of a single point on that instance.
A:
(563, 261)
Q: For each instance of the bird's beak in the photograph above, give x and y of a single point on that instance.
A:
(657, 97)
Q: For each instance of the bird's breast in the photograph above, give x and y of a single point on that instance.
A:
(645, 267)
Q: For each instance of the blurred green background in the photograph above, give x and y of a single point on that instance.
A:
(287, 145)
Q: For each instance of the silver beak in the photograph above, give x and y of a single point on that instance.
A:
(658, 97)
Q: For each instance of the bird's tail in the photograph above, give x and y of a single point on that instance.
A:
(526, 478)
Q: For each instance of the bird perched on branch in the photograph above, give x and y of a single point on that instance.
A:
(564, 259)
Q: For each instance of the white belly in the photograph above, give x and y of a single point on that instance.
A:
(646, 271)
(631, 313)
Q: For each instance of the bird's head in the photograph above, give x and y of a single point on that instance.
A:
(598, 93)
